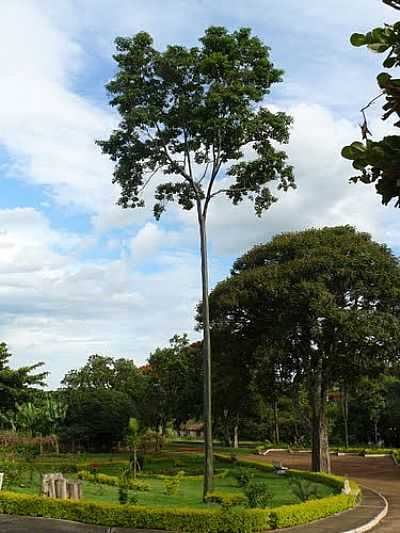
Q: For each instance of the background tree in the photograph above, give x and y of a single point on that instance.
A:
(17, 385)
(102, 383)
(104, 372)
(189, 113)
(173, 388)
(379, 161)
(97, 419)
(327, 299)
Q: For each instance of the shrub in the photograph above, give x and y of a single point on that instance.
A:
(133, 484)
(226, 499)
(242, 476)
(172, 484)
(189, 519)
(123, 494)
(257, 494)
(303, 489)
(13, 472)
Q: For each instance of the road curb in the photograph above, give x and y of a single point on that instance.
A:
(375, 521)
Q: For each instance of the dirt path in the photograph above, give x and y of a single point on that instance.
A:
(377, 473)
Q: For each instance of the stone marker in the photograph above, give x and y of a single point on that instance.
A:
(57, 486)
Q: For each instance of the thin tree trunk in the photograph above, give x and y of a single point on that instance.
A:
(134, 461)
(321, 461)
(227, 437)
(236, 433)
(208, 442)
(375, 431)
(345, 411)
(276, 421)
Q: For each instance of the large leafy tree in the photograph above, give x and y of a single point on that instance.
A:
(102, 383)
(326, 300)
(189, 113)
(173, 387)
(97, 419)
(104, 372)
(379, 160)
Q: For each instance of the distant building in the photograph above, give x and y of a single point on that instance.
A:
(192, 429)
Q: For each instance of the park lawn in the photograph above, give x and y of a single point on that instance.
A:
(189, 494)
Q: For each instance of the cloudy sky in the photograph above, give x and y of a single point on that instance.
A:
(79, 275)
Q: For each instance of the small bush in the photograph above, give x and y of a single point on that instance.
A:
(114, 481)
(123, 494)
(303, 489)
(172, 484)
(226, 499)
(243, 476)
(258, 495)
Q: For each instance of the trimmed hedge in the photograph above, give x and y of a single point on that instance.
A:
(188, 519)
(226, 499)
(114, 481)
(331, 480)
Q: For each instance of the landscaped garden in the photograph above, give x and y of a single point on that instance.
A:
(167, 492)
(169, 480)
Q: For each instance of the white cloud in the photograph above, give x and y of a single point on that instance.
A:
(55, 304)
(324, 195)
(58, 308)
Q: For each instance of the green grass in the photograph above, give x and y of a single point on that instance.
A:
(190, 492)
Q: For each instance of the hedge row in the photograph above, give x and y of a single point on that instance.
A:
(183, 519)
(369, 451)
(331, 480)
(114, 481)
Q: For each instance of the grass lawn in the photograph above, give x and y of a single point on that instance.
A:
(190, 492)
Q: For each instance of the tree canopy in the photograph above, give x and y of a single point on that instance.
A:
(17, 385)
(326, 301)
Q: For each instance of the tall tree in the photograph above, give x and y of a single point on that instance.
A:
(189, 114)
(379, 160)
(327, 299)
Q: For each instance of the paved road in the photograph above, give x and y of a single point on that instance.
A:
(378, 473)
(22, 524)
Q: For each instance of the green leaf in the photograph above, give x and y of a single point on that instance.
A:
(358, 39)
(378, 48)
(347, 152)
(390, 62)
(383, 78)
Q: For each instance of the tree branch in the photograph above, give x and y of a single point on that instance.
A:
(148, 180)
(241, 189)
(364, 126)
(216, 168)
(182, 171)
(393, 3)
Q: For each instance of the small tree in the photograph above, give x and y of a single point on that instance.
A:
(133, 441)
(189, 113)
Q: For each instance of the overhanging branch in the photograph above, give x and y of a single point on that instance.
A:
(393, 3)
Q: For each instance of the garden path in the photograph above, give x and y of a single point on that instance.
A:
(378, 473)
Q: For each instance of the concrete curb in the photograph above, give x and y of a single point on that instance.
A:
(378, 518)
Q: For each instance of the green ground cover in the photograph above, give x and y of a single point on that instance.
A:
(190, 490)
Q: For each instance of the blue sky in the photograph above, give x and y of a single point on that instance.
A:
(78, 275)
